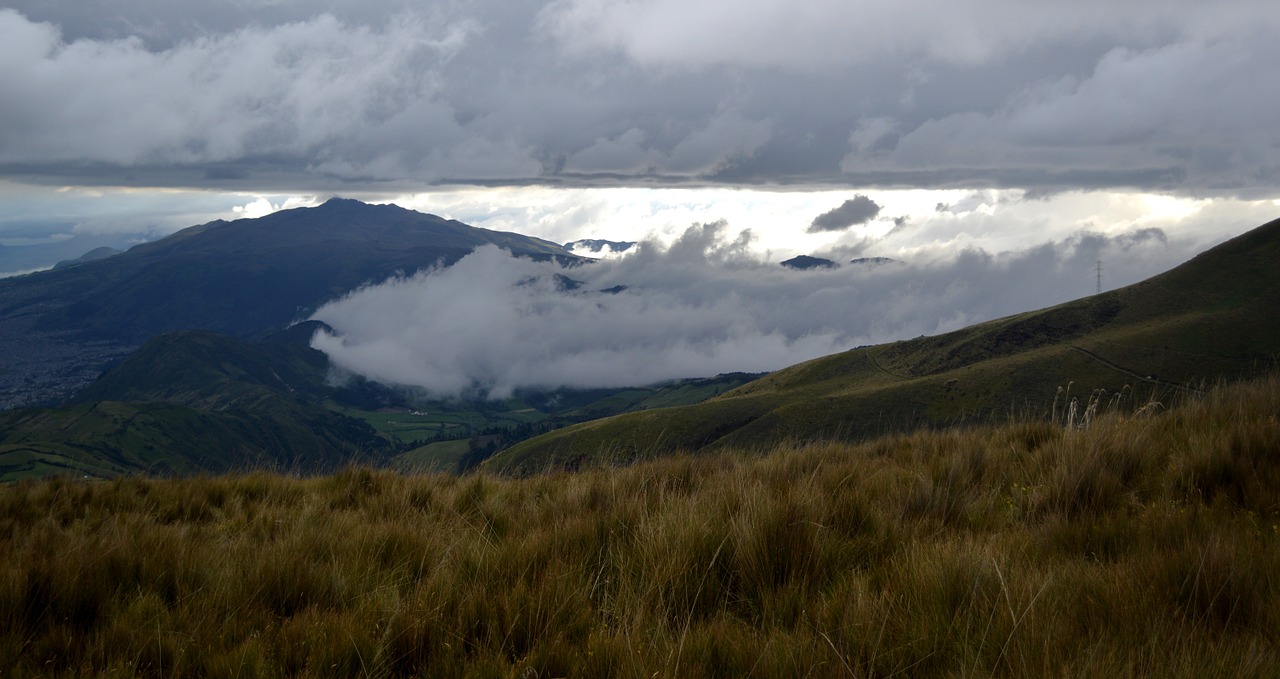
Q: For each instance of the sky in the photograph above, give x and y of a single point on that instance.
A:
(928, 131)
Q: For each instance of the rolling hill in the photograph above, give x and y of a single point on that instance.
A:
(194, 402)
(1212, 318)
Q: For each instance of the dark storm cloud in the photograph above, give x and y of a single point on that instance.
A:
(1146, 94)
(857, 210)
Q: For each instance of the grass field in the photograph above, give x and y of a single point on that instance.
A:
(441, 422)
(1136, 542)
(441, 456)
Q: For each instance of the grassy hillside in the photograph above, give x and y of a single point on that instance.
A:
(207, 370)
(1142, 544)
(111, 438)
(193, 402)
(1211, 318)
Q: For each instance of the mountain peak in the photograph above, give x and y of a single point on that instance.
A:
(340, 204)
(803, 262)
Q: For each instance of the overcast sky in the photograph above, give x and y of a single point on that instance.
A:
(305, 95)
(929, 131)
(389, 97)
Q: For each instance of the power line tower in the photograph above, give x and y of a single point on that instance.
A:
(1099, 277)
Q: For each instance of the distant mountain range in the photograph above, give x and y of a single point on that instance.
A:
(60, 328)
(804, 262)
(1212, 318)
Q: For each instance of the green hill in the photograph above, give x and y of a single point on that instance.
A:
(206, 370)
(1209, 319)
(111, 438)
(192, 402)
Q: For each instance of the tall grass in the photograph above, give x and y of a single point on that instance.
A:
(1140, 545)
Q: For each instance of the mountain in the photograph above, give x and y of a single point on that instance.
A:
(244, 276)
(1212, 318)
(90, 256)
(59, 328)
(873, 261)
(802, 262)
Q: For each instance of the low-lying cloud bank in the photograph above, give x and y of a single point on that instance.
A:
(704, 305)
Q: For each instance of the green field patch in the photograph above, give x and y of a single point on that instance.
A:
(441, 456)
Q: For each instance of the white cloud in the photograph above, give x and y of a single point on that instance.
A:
(311, 89)
(705, 304)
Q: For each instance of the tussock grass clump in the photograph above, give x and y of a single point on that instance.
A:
(1140, 545)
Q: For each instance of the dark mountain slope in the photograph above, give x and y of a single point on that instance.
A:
(1212, 318)
(244, 276)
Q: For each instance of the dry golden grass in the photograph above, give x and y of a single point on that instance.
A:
(1142, 545)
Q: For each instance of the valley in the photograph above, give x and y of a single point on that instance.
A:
(144, 369)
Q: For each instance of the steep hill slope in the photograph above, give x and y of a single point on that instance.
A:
(1211, 318)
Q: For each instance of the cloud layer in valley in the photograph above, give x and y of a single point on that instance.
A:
(704, 305)
(324, 94)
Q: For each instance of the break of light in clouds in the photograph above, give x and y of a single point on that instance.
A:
(911, 224)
